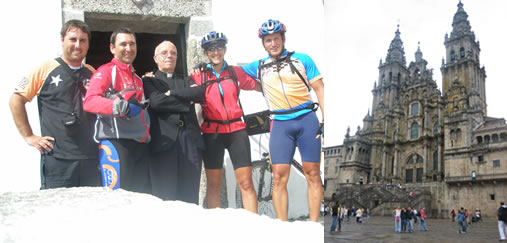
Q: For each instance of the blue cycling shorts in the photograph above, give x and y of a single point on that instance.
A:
(301, 132)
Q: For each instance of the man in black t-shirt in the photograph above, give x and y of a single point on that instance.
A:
(68, 153)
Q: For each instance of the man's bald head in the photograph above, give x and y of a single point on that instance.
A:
(166, 56)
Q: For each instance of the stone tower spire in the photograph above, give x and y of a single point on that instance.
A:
(396, 52)
(418, 53)
(392, 73)
(460, 24)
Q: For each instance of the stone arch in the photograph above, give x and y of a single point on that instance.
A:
(487, 139)
(494, 138)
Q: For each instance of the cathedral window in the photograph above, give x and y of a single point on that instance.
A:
(336, 169)
(486, 139)
(453, 56)
(435, 129)
(327, 161)
(458, 136)
(461, 52)
(409, 177)
(411, 160)
(390, 76)
(503, 137)
(479, 139)
(419, 175)
(494, 138)
(414, 109)
(496, 163)
(419, 159)
(399, 77)
(325, 170)
(414, 130)
(435, 160)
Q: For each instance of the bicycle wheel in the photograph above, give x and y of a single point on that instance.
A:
(263, 186)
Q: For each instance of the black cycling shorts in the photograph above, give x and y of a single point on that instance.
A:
(237, 143)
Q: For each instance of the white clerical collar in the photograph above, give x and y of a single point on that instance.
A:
(169, 75)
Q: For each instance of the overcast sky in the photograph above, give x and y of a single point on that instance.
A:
(358, 34)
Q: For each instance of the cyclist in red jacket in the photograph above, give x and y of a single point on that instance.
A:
(222, 127)
(115, 95)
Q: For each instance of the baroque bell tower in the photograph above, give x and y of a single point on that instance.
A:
(463, 82)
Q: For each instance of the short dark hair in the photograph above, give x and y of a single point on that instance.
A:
(74, 23)
(123, 30)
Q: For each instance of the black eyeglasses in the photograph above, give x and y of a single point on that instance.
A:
(216, 48)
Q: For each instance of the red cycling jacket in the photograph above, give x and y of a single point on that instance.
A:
(227, 108)
(131, 85)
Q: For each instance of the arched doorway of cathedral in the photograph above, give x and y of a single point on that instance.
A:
(414, 168)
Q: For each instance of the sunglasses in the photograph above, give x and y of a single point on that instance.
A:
(215, 48)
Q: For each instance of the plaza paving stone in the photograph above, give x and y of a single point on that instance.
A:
(381, 229)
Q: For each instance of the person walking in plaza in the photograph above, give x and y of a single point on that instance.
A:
(416, 215)
(336, 212)
(177, 144)
(287, 80)
(453, 214)
(422, 219)
(69, 156)
(116, 95)
(397, 219)
(222, 127)
(404, 220)
(410, 216)
(359, 215)
(502, 221)
(462, 227)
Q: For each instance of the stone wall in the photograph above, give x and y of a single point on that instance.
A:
(162, 16)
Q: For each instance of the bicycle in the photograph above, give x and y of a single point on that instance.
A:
(262, 177)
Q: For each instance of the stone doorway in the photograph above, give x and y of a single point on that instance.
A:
(148, 35)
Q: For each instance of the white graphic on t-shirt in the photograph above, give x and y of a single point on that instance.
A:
(56, 80)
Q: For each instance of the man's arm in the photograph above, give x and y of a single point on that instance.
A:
(318, 87)
(17, 105)
(192, 92)
(163, 100)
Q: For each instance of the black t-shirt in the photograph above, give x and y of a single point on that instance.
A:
(60, 94)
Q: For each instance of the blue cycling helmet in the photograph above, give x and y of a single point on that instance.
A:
(270, 27)
(211, 38)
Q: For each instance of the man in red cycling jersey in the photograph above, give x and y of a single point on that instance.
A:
(116, 95)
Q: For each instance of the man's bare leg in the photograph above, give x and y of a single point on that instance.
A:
(312, 174)
(280, 195)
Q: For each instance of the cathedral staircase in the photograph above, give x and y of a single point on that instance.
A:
(384, 198)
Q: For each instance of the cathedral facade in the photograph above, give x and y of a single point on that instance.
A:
(427, 147)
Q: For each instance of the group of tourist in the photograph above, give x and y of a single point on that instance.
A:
(405, 218)
(109, 127)
(341, 213)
